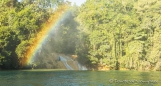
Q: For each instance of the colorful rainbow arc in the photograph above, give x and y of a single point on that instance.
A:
(49, 26)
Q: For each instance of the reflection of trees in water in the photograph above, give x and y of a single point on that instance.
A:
(149, 76)
(129, 78)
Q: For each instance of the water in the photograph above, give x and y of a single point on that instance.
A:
(66, 60)
(78, 78)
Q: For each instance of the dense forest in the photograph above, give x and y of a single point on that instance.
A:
(104, 34)
(20, 23)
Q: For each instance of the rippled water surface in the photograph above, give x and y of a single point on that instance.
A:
(79, 78)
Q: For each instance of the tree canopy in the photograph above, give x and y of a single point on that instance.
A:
(20, 23)
(115, 34)
(121, 34)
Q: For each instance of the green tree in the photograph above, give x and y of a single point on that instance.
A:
(20, 23)
(121, 33)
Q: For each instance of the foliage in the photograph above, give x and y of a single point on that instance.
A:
(121, 34)
(19, 24)
(112, 33)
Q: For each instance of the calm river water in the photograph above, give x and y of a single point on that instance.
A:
(79, 78)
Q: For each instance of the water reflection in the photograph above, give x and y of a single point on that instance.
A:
(76, 78)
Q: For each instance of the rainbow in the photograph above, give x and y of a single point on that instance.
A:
(41, 37)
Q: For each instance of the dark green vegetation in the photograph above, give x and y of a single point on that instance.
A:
(110, 34)
(19, 24)
(121, 33)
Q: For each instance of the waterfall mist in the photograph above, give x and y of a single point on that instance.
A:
(59, 46)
